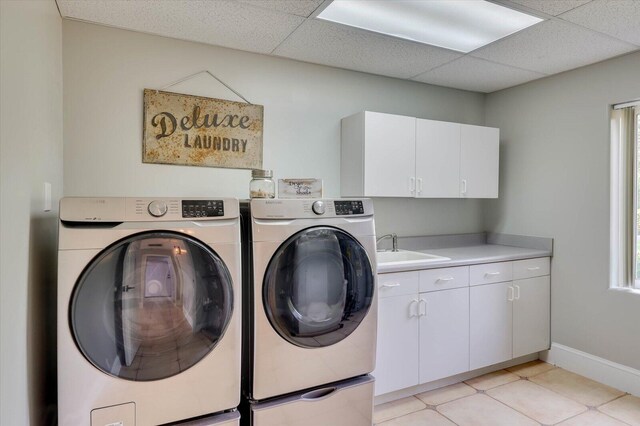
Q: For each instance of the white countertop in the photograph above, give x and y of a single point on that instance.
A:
(468, 255)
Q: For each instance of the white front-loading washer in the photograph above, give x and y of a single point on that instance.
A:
(311, 310)
(148, 310)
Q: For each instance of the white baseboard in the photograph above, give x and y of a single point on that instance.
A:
(616, 375)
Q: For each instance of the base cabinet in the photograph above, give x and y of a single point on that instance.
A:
(531, 320)
(509, 319)
(421, 336)
(491, 328)
(444, 334)
(397, 349)
(441, 322)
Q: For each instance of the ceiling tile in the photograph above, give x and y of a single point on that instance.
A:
(292, 7)
(620, 18)
(327, 43)
(223, 23)
(553, 46)
(551, 7)
(477, 75)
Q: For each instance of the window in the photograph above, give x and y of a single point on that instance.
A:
(625, 196)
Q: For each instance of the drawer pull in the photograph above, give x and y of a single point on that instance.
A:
(533, 268)
(445, 279)
(390, 285)
(510, 294)
(318, 394)
(517, 292)
(491, 274)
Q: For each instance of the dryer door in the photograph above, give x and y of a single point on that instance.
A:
(151, 305)
(318, 287)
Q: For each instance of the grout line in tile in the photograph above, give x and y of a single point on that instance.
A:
(482, 392)
(434, 408)
(507, 405)
(447, 417)
(455, 399)
(568, 397)
(406, 414)
(614, 399)
(609, 415)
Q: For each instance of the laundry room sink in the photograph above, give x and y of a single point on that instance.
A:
(406, 258)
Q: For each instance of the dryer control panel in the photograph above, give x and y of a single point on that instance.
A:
(202, 208)
(349, 207)
(128, 209)
(310, 208)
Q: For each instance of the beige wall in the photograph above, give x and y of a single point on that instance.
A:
(30, 154)
(555, 182)
(105, 70)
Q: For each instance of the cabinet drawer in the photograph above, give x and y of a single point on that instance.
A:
(531, 268)
(444, 278)
(490, 273)
(397, 284)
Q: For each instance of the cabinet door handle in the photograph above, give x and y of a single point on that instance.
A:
(411, 312)
(412, 184)
(510, 294)
(491, 274)
(517, 292)
(390, 285)
(464, 186)
(420, 313)
(445, 279)
(533, 268)
(419, 185)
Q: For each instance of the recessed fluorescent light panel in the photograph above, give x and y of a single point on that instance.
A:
(462, 25)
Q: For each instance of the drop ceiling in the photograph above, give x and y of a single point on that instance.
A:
(574, 33)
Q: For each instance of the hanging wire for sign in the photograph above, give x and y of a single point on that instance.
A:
(198, 73)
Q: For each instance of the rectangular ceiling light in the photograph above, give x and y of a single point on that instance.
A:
(461, 25)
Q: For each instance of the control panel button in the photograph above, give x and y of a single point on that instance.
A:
(157, 208)
(318, 207)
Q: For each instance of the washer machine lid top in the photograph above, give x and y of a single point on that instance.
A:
(129, 209)
(151, 306)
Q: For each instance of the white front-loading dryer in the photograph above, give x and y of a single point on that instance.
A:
(148, 310)
(311, 309)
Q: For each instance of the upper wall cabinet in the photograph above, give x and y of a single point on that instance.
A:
(385, 155)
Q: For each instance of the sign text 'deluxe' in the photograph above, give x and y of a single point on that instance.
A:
(198, 131)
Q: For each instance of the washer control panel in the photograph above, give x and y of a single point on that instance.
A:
(202, 208)
(344, 208)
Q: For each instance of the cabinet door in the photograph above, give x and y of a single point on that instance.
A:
(490, 324)
(437, 159)
(389, 163)
(397, 345)
(444, 334)
(479, 161)
(531, 315)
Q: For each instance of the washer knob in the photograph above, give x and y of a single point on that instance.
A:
(318, 207)
(157, 208)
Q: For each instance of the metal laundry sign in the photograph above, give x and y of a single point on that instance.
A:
(198, 131)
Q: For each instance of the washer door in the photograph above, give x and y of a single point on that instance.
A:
(318, 287)
(151, 305)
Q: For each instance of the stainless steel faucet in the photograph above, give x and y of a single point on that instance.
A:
(394, 240)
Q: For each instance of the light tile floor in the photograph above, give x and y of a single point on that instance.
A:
(535, 393)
